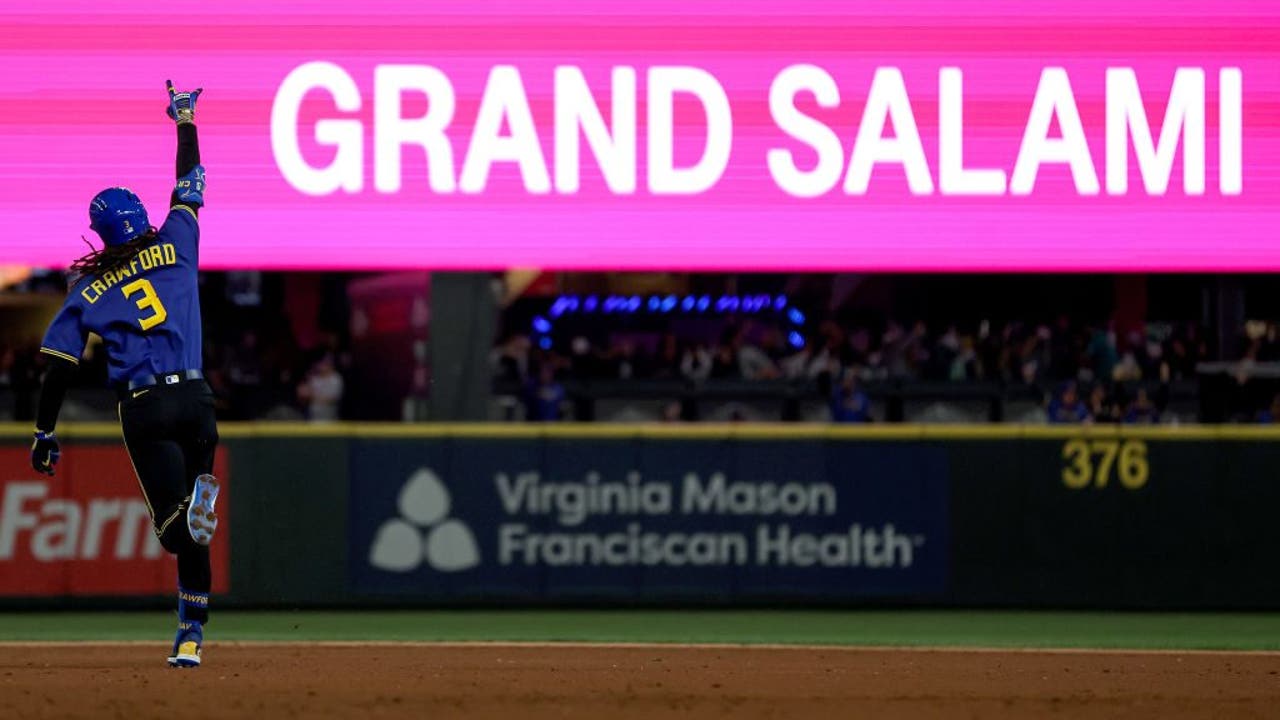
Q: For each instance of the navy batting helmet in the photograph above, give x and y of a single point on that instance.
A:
(117, 215)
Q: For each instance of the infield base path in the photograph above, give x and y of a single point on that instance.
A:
(621, 682)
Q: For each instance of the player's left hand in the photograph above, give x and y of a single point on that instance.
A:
(182, 105)
(44, 453)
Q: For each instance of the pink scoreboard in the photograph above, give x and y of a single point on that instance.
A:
(911, 135)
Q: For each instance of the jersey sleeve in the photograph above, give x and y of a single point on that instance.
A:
(181, 226)
(66, 336)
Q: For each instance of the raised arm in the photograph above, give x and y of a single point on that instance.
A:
(189, 190)
(188, 149)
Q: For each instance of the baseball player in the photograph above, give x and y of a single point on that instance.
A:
(139, 293)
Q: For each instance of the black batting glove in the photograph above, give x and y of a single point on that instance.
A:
(45, 452)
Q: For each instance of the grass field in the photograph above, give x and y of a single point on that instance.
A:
(1147, 631)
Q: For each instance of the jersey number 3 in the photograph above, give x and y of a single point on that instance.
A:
(148, 301)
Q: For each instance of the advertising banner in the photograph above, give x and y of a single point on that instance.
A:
(943, 135)
(636, 520)
(86, 531)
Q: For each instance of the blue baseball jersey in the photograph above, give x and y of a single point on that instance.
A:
(147, 310)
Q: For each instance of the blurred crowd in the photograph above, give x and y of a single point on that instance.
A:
(252, 379)
(1015, 352)
(1085, 373)
(275, 379)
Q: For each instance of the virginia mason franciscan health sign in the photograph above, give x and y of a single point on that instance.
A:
(916, 135)
(599, 518)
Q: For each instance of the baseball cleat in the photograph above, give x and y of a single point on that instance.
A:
(201, 519)
(186, 646)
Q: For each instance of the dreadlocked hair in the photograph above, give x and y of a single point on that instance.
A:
(109, 257)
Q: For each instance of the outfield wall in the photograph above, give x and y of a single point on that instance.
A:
(993, 515)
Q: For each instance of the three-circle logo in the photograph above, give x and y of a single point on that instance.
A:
(423, 531)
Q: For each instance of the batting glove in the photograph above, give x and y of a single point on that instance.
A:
(45, 452)
(182, 105)
(190, 187)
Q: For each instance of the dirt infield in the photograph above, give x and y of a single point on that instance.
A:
(619, 682)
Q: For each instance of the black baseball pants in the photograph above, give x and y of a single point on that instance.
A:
(171, 434)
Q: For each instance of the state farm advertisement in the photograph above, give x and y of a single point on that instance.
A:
(86, 530)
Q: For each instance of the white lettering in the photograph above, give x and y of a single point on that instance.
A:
(391, 131)
(62, 529)
(504, 99)
(953, 178)
(886, 101)
(574, 502)
(824, 141)
(100, 513)
(504, 132)
(720, 497)
(664, 177)
(1127, 117)
(345, 171)
(518, 546)
(858, 547)
(14, 517)
(1054, 99)
(55, 539)
(513, 492)
(1230, 130)
(614, 150)
(135, 523)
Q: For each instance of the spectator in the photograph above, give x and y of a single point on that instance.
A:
(1102, 407)
(773, 345)
(1270, 344)
(754, 363)
(1271, 414)
(849, 404)
(627, 364)
(965, 364)
(859, 347)
(828, 359)
(892, 354)
(672, 412)
(1102, 353)
(945, 352)
(666, 363)
(511, 359)
(724, 362)
(244, 375)
(1066, 406)
(1002, 354)
(244, 361)
(1142, 411)
(1032, 360)
(1128, 369)
(695, 364)
(900, 350)
(544, 396)
(1063, 350)
(321, 391)
(1151, 359)
(1186, 350)
(803, 364)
